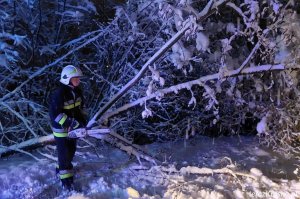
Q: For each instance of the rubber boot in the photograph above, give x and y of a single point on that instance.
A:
(57, 171)
(67, 184)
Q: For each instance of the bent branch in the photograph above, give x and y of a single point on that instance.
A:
(200, 81)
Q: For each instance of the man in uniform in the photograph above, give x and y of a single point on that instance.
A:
(66, 114)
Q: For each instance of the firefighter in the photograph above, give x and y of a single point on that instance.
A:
(66, 114)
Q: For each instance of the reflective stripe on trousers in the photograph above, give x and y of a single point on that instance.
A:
(63, 174)
(60, 133)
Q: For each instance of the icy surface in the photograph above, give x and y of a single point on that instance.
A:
(226, 167)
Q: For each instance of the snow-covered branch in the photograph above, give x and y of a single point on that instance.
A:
(200, 81)
(27, 143)
(44, 68)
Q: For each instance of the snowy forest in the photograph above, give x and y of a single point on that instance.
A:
(155, 71)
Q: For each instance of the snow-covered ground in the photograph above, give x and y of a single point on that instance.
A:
(226, 167)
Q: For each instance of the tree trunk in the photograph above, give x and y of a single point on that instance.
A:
(112, 138)
(28, 143)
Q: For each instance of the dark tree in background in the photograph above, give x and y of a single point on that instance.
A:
(233, 71)
(34, 34)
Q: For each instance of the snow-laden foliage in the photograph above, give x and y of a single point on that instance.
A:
(218, 40)
(9, 41)
(246, 36)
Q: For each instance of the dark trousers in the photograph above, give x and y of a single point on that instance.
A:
(66, 148)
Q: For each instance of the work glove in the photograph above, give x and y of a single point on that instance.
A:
(74, 125)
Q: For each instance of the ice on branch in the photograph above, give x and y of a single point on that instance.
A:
(18, 39)
(223, 71)
(155, 75)
(276, 7)
(161, 81)
(262, 126)
(178, 18)
(210, 95)
(230, 28)
(226, 45)
(146, 113)
(184, 2)
(206, 9)
(180, 56)
(119, 12)
(46, 50)
(149, 89)
(253, 9)
(283, 53)
(258, 85)
(202, 42)
(89, 5)
(165, 10)
(73, 14)
(191, 22)
(193, 101)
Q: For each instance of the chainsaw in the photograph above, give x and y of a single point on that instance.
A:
(83, 132)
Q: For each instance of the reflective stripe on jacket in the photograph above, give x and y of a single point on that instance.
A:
(65, 105)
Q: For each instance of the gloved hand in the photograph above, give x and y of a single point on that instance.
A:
(74, 125)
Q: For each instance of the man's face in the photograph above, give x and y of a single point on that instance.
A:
(75, 81)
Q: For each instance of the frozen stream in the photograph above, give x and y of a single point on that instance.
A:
(106, 172)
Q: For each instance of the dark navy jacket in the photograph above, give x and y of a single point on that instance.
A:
(65, 106)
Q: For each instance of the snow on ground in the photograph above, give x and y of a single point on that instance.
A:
(226, 167)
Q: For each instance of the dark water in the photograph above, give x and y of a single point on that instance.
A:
(243, 151)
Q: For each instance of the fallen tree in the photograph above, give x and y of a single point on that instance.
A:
(200, 82)
(27, 144)
(111, 138)
(210, 9)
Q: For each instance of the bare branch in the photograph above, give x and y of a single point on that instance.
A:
(28, 143)
(25, 121)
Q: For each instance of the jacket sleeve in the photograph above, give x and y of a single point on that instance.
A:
(57, 116)
(82, 117)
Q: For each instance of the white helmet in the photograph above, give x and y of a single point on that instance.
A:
(68, 72)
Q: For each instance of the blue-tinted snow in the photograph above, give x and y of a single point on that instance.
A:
(107, 172)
